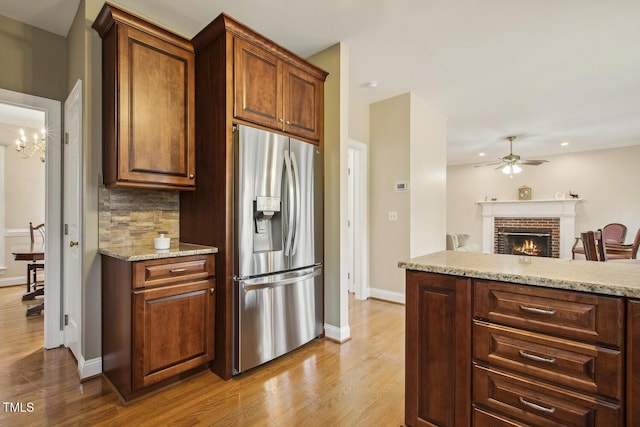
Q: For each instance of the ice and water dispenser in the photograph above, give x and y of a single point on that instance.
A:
(267, 217)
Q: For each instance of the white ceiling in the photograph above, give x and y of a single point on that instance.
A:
(547, 71)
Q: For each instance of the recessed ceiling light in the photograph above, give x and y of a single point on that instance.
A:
(564, 143)
(481, 154)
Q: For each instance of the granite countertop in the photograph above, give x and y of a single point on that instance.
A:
(620, 278)
(147, 252)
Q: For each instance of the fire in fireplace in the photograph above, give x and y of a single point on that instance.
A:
(531, 242)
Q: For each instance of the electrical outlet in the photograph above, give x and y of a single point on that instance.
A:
(393, 215)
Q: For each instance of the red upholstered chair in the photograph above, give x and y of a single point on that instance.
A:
(616, 251)
(613, 233)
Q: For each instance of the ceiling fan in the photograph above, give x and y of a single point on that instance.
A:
(510, 164)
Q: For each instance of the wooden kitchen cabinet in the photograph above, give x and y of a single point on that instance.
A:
(148, 104)
(160, 332)
(633, 363)
(438, 350)
(241, 78)
(489, 353)
(275, 93)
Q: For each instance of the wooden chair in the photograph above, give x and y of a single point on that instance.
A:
(613, 233)
(593, 245)
(35, 287)
(617, 251)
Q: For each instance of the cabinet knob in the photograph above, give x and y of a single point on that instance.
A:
(281, 120)
(191, 176)
(212, 290)
(288, 122)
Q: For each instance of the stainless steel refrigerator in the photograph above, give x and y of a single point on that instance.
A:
(278, 290)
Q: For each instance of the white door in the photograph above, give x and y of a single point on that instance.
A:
(72, 221)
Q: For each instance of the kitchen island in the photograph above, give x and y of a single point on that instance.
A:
(504, 340)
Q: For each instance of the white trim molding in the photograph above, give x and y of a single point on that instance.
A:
(337, 334)
(385, 295)
(564, 209)
(89, 368)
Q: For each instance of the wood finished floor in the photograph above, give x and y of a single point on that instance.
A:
(358, 383)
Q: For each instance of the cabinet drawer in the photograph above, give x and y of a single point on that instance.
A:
(482, 418)
(582, 366)
(574, 315)
(538, 403)
(170, 270)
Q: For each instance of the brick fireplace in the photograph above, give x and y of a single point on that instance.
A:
(538, 218)
(527, 236)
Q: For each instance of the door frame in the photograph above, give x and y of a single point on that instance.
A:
(360, 219)
(53, 320)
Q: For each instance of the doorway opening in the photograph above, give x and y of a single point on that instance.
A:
(52, 212)
(357, 258)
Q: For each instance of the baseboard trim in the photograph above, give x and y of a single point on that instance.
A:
(385, 295)
(339, 335)
(89, 368)
(12, 281)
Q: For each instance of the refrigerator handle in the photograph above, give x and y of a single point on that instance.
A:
(290, 225)
(247, 286)
(298, 207)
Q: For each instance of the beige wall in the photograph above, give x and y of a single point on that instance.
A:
(602, 178)
(334, 60)
(32, 61)
(24, 202)
(427, 187)
(407, 143)
(389, 161)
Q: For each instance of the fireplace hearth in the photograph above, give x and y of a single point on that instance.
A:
(531, 242)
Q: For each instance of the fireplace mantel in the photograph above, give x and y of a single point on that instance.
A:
(564, 209)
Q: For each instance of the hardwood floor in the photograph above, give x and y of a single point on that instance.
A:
(358, 383)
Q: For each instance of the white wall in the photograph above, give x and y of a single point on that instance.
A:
(604, 179)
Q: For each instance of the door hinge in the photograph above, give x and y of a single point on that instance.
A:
(349, 276)
(66, 138)
(66, 229)
(66, 320)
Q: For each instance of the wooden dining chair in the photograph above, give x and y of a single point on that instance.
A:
(593, 245)
(33, 267)
(613, 233)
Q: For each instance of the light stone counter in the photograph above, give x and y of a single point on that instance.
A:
(147, 252)
(621, 278)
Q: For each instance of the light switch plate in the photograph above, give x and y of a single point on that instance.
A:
(393, 215)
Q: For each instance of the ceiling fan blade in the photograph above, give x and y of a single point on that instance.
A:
(533, 162)
(497, 162)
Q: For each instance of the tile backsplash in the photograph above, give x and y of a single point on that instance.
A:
(133, 217)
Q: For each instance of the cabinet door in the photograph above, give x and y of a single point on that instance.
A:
(438, 350)
(173, 330)
(303, 100)
(156, 112)
(257, 85)
(633, 363)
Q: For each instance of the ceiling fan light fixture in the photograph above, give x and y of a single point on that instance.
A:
(511, 169)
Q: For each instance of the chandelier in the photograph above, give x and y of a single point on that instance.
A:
(38, 145)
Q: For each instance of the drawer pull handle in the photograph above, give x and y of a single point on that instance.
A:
(537, 310)
(538, 407)
(178, 270)
(537, 358)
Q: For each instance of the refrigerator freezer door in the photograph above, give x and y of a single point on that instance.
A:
(260, 211)
(276, 314)
(306, 162)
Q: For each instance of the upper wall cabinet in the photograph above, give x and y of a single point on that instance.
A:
(148, 104)
(275, 93)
